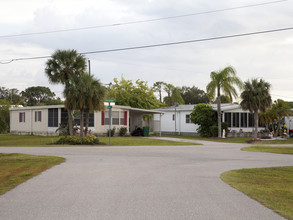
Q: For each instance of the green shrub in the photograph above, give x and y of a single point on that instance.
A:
(214, 131)
(123, 131)
(76, 140)
(112, 132)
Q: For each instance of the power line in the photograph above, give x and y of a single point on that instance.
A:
(165, 44)
(142, 21)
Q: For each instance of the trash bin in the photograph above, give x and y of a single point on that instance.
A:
(146, 131)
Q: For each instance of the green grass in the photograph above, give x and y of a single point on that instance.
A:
(17, 168)
(25, 140)
(284, 141)
(275, 149)
(7, 140)
(273, 187)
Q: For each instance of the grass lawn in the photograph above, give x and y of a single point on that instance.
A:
(7, 140)
(273, 187)
(17, 168)
(283, 141)
(275, 149)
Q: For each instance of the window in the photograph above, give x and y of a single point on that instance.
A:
(250, 120)
(21, 116)
(187, 119)
(91, 119)
(173, 117)
(53, 117)
(118, 118)
(228, 118)
(38, 116)
(244, 120)
(235, 119)
(64, 116)
(115, 118)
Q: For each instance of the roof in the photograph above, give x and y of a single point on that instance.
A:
(190, 107)
(146, 111)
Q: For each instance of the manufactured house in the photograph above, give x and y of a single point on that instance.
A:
(45, 120)
(177, 120)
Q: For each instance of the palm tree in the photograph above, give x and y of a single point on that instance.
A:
(255, 98)
(63, 66)
(94, 97)
(224, 80)
(85, 94)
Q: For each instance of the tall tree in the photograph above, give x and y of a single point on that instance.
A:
(94, 97)
(63, 66)
(137, 95)
(173, 95)
(37, 95)
(256, 98)
(4, 116)
(158, 87)
(224, 80)
(168, 89)
(194, 95)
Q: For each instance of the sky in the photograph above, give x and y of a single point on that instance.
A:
(267, 56)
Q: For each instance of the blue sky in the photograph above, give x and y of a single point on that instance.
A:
(267, 56)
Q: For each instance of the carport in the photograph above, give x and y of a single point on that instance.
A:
(136, 118)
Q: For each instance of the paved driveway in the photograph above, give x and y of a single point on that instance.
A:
(149, 182)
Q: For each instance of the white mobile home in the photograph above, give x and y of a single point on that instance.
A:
(177, 120)
(45, 120)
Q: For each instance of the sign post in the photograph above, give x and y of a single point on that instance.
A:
(110, 118)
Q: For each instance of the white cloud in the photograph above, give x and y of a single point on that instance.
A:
(266, 56)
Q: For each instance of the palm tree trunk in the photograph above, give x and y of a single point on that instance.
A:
(70, 122)
(81, 123)
(87, 121)
(255, 124)
(219, 113)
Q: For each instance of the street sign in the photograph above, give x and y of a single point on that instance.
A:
(110, 100)
(109, 106)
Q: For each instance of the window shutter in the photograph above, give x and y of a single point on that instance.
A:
(40, 116)
(125, 118)
(35, 116)
(19, 116)
(24, 117)
(103, 118)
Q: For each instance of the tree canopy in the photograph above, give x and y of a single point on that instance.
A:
(194, 95)
(256, 98)
(37, 95)
(136, 95)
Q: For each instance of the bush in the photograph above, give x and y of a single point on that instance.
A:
(123, 131)
(214, 131)
(112, 132)
(76, 140)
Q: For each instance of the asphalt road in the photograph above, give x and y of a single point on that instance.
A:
(145, 182)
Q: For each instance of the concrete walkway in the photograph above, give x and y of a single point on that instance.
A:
(145, 182)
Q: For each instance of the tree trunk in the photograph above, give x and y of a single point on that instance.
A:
(255, 124)
(81, 123)
(70, 122)
(87, 121)
(219, 113)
